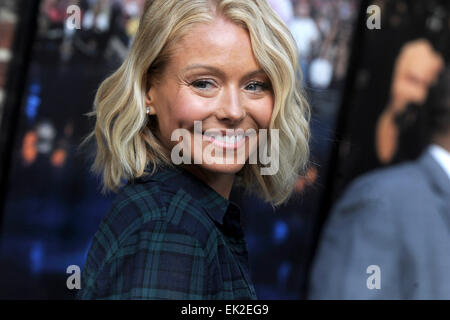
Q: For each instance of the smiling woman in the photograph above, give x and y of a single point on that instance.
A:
(172, 232)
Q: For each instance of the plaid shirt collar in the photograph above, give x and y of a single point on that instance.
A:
(215, 205)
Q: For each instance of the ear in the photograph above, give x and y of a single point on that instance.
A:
(149, 102)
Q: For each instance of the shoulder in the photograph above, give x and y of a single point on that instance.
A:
(400, 191)
(403, 179)
(152, 206)
(151, 227)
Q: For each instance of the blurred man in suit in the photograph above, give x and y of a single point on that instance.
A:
(389, 235)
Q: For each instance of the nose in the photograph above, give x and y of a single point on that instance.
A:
(231, 109)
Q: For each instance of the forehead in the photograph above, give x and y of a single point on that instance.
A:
(221, 43)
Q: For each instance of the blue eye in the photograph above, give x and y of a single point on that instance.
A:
(255, 86)
(262, 86)
(201, 84)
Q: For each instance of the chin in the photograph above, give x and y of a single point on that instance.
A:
(222, 168)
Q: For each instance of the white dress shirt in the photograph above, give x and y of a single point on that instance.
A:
(442, 156)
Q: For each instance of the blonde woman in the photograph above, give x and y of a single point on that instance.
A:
(229, 66)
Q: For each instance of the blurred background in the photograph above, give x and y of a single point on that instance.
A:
(51, 206)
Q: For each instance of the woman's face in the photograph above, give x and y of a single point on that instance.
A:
(213, 77)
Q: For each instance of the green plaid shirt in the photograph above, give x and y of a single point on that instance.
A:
(168, 236)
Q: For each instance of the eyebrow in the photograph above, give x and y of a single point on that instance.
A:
(220, 72)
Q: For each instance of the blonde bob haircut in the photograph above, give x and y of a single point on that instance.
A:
(125, 140)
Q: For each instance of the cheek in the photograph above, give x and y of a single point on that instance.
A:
(183, 110)
(262, 112)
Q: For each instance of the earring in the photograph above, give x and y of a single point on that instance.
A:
(148, 110)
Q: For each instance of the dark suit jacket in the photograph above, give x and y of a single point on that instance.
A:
(397, 219)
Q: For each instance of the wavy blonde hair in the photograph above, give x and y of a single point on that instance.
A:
(125, 141)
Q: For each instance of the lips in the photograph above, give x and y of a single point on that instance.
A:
(230, 139)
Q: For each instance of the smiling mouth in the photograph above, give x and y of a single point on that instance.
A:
(228, 139)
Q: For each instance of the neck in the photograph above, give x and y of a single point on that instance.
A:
(219, 182)
(443, 141)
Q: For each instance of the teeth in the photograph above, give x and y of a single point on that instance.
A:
(228, 139)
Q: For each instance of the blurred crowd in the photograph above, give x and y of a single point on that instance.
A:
(315, 25)
(107, 28)
(8, 21)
